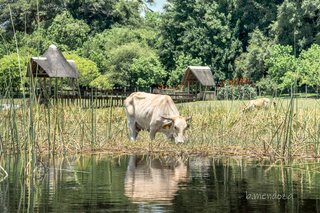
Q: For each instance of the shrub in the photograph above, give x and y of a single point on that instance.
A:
(237, 92)
(267, 86)
(87, 68)
(101, 82)
(12, 71)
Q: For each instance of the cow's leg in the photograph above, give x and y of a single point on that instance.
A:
(248, 108)
(251, 107)
(132, 129)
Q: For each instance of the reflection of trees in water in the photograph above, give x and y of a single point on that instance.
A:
(224, 184)
(62, 183)
(81, 184)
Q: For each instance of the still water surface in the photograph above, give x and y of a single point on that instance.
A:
(161, 184)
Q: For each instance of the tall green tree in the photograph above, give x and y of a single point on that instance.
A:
(98, 47)
(27, 14)
(67, 31)
(198, 29)
(251, 64)
(133, 65)
(298, 24)
(101, 15)
(249, 15)
(309, 65)
(283, 66)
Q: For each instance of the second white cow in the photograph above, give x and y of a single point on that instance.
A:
(259, 103)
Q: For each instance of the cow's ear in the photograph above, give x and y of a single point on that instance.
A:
(167, 125)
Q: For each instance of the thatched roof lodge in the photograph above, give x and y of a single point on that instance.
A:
(199, 80)
(52, 64)
(198, 74)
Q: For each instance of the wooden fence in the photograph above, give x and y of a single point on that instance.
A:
(87, 98)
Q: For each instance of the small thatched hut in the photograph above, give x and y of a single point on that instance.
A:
(52, 64)
(198, 80)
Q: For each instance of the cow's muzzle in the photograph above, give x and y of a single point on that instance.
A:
(179, 140)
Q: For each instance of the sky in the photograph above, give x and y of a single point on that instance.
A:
(158, 5)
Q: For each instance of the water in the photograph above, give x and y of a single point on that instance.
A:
(160, 184)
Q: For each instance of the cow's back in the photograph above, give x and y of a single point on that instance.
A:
(145, 107)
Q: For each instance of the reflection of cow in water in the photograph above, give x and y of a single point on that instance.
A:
(150, 180)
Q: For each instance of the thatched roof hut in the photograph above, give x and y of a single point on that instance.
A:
(52, 64)
(198, 74)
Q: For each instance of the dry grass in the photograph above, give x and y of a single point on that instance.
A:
(217, 128)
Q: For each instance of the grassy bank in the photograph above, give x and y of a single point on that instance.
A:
(217, 128)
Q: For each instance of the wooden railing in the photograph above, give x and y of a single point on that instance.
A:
(87, 97)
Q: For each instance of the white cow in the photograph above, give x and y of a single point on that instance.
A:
(154, 113)
(259, 103)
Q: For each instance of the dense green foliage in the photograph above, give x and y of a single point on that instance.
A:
(282, 65)
(67, 31)
(182, 61)
(88, 69)
(132, 65)
(274, 44)
(12, 71)
(199, 29)
(237, 92)
(251, 64)
(98, 47)
(309, 66)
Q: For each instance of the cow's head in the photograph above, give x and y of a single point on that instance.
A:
(177, 125)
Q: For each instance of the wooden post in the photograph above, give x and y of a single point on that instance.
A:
(204, 93)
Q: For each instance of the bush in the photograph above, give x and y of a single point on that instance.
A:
(12, 71)
(132, 65)
(237, 92)
(101, 82)
(87, 68)
(267, 86)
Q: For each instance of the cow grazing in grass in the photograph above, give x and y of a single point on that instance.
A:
(259, 103)
(154, 113)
